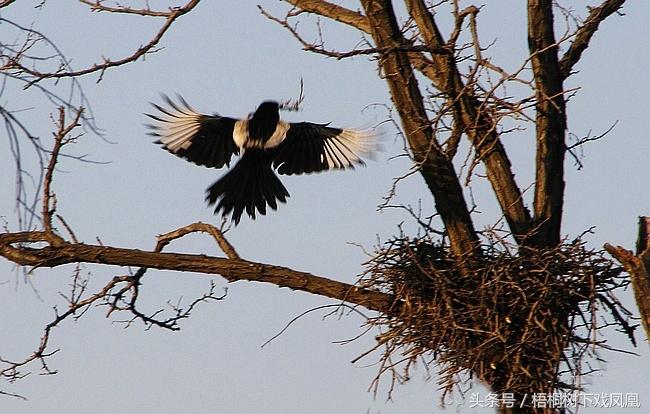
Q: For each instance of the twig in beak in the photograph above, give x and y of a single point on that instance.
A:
(293, 105)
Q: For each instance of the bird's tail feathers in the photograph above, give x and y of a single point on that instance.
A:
(250, 186)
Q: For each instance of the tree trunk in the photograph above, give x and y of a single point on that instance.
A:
(550, 123)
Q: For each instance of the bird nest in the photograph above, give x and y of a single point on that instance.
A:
(521, 320)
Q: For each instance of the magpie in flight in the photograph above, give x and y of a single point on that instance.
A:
(264, 142)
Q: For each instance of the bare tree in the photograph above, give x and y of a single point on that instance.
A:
(516, 306)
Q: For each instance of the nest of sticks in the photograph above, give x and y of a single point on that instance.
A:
(520, 320)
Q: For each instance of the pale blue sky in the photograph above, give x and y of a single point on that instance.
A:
(226, 57)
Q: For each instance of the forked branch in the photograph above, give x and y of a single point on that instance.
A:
(170, 16)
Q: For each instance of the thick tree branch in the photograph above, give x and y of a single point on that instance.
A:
(586, 32)
(550, 124)
(13, 248)
(476, 124)
(334, 12)
(441, 69)
(638, 266)
(437, 169)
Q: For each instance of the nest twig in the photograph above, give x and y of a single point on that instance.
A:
(521, 320)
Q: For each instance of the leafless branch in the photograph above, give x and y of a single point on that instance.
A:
(13, 248)
(585, 32)
(224, 244)
(98, 6)
(334, 12)
(60, 139)
(319, 49)
(571, 149)
(170, 17)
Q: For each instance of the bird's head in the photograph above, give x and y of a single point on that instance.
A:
(268, 107)
(267, 113)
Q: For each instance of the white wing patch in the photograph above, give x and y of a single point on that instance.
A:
(278, 136)
(243, 140)
(240, 133)
(346, 148)
(178, 127)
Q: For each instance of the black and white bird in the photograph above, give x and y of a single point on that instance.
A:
(264, 142)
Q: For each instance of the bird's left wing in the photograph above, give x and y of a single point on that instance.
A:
(312, 147)
(202, 139)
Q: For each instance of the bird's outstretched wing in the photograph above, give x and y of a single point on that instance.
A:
(202, 139)
(312, 147)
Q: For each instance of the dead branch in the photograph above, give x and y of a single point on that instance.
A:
(224, 244)
(60, 139)
(17, 132)
(170, 17)
(637, 267)
(98, 6)
(585, 32)
(445, 76)
(334, 12)
(319, 49)
(13, 247)
(571, 149)
(293, 105)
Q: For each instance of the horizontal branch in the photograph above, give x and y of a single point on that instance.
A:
(12, 247)
(98, 6)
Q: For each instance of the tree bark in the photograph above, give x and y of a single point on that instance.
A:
(479, 127)
(436, 168)
(12, 248)
(586, 32)
(550, 124)
(638, 267)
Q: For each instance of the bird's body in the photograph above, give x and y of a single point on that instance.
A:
(264, 142)
(263, 129)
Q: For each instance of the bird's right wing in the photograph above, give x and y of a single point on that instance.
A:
(202, 139)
